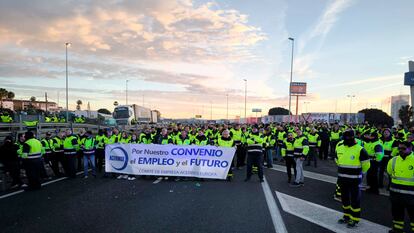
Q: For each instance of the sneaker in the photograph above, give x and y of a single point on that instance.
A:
(125, 177)
(351, 224)
(120, 177)
(165, 178)
(24, 186)
(85, 177)
(131, 178)
(295, 185)
(343, 221)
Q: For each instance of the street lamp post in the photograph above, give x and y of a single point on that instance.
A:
(291, 75)
(126, 92)
(67, 44)
(350, 105)
(245, 99)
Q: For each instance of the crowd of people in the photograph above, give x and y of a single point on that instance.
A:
(359, 150)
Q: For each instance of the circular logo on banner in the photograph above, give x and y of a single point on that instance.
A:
(118, 158)
(410, 167)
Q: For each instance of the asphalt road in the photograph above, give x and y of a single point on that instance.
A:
(110, 205)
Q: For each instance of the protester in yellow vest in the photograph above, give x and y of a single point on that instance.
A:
(32, 160)
(401, 169)
(226, 141)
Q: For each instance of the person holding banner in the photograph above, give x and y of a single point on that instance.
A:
(200, 139)
(183, 139)
(163, 138)
(226, 141)
(254, 154)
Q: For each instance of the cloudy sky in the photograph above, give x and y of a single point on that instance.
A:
(183, 57)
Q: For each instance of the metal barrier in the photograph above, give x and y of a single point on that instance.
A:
(13, 129)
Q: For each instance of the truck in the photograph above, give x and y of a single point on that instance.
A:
(130, 114)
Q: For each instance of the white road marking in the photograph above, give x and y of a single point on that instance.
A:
(43, 184)
(273, 209)
(157, 180)
(324, 216)
(320, 177)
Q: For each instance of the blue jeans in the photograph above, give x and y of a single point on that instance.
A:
(278, 152)
(269, 157)
(91, 159)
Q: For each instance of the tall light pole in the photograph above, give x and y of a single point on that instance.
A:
(245, 99)
(227, 114)
(350, 105)
(126, 92)
(67, 44)
(291, 75)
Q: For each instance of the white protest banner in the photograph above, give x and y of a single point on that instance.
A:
(169, 160)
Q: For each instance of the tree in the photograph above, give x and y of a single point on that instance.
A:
(3, 94)
(33, 99)
(104, 111)
(78, 104)
(10, 95)
(377, 117)
(405, 113)
(278, 111)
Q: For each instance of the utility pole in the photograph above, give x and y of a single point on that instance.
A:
(291, 77)
(245, 99)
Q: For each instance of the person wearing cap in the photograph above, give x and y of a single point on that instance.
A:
(32, 160)
(352, 160)
(401, 168)
(254, 154)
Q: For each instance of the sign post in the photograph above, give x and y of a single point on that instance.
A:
(298, 89)
(409, 80)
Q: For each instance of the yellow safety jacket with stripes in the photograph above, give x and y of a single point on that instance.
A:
(35, 150)
(402, 174)
(352, 161)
